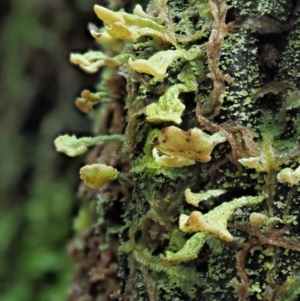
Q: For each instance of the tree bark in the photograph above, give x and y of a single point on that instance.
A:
(236, 72)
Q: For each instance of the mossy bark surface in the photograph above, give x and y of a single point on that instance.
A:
(244, 85)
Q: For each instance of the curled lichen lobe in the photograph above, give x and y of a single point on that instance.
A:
(97, 175)
(193, 144)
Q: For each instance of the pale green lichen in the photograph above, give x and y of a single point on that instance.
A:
(109, 17)
(72, 146)
(193, 144)
(97, 175)
(128, 27)
(92, 61)
(215, 221)
(146, 164)
(257, 220)
(119, 31)
(138, 11)
(289, 176)
(195, 198)
(265, 162)
(169, 107)
(158, 64)
(102, 36)
(252, 162)
(170, 161)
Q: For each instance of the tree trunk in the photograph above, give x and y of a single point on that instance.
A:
(218, 102)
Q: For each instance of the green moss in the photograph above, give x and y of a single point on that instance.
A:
(145, 164)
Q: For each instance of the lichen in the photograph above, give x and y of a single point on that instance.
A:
(215, 221)
(157, 64)
(129, 27)
(193, 144)
(169, 107)
(72, 146)
(88, 99)
(170, 161)
(195, 198)
(97, 175)
(257, 220)
(289, 176)
(92, 61)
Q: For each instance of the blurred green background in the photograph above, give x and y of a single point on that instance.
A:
(38, 186)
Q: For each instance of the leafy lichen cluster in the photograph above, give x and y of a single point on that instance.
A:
(224, 143)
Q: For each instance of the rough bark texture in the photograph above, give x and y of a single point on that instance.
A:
(242, 83)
